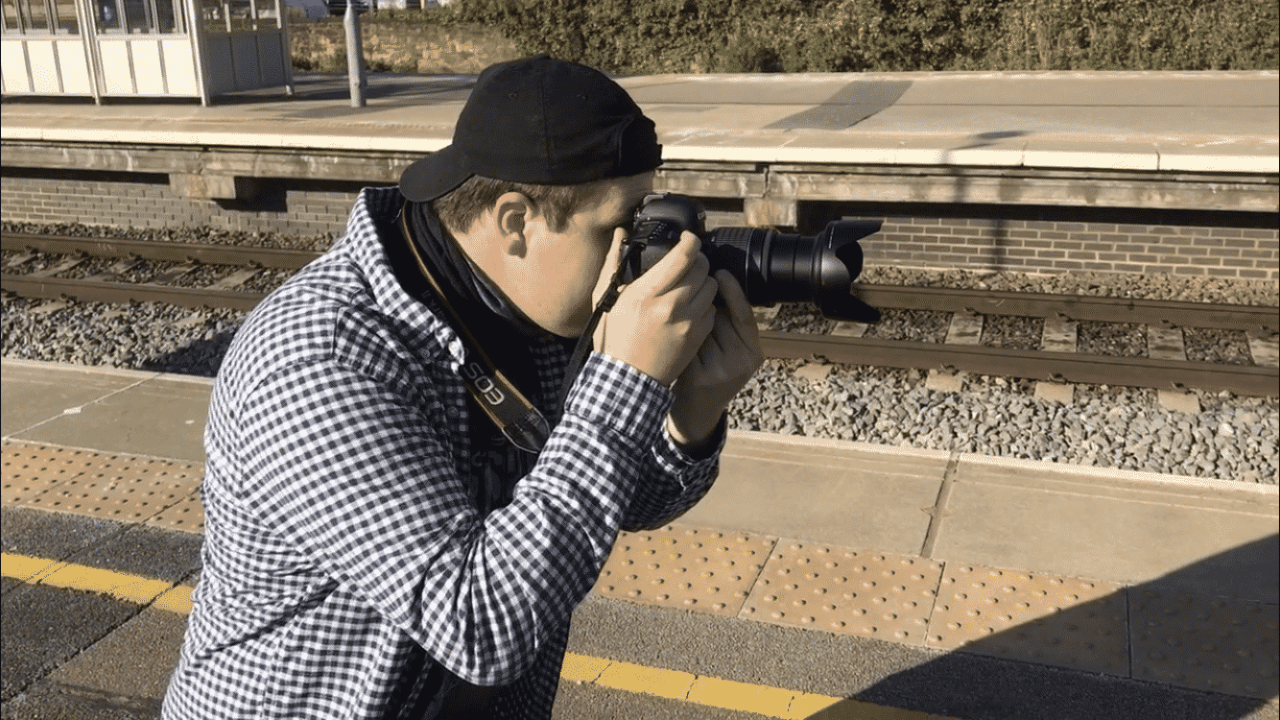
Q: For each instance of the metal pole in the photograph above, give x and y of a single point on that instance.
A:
(355, 55)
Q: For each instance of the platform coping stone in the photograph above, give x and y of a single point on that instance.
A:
(1037, 617)
(1206, 643)
(31, 470)
(847, 592)
(122, 487)
(696, 569)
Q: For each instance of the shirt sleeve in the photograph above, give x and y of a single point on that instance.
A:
(360, 477)
(672, 481)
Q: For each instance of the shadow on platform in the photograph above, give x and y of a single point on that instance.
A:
(1186, 656)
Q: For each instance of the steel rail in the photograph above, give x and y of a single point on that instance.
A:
(1075, 307)
(275, 258)
(1063, 367)
(1033, 365)
(113, 292)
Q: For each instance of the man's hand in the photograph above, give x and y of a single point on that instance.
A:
(728, 358)
(660, 321)
(666, 324)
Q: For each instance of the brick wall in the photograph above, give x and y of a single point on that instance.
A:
(1054, 246)
(1228, 245)
(147, 201)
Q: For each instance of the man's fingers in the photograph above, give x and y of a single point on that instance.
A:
(611, 259)
(735, 300)
(671, 270)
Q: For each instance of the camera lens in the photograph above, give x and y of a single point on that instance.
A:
(771, 267)
(774, 267)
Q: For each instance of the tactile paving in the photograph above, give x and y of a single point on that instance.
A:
(120, 487)
(1205, 643)
(694, 569)
(1048, 619)
(187, 514)
(845, 591)
(31, 470)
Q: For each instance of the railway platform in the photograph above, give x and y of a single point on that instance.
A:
(818, 579)
(1156, 121)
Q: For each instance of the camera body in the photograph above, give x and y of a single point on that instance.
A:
(771, 267)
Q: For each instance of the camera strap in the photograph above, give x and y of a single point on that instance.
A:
(514, 415)
(579, 356)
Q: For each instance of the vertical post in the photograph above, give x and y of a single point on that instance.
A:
(194, 20)
(355, 55)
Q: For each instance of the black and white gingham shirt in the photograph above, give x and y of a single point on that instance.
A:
(344, 553)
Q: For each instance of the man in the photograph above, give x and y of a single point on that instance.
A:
(384, 537)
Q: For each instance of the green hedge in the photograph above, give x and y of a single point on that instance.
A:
(655, 36)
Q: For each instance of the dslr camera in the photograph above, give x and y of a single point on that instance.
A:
(771, 267)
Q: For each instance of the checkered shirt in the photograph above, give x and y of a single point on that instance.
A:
(344, 553)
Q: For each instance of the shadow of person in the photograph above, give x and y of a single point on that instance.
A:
(200, 357)
(1199, 643)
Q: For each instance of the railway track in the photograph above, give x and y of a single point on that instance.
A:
(236, 268)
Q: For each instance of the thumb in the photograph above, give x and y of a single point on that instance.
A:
(611, 260)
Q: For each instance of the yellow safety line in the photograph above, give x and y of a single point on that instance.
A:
(672, 684)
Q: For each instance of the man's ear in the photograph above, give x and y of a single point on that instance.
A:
(515, 214)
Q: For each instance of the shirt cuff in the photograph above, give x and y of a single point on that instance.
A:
(613, 394)
(672, 458)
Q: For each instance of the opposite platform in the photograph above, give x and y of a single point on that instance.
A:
(1221, 122)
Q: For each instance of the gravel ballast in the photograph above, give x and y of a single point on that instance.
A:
(1231, 438)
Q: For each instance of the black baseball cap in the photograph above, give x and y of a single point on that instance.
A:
(540, 121)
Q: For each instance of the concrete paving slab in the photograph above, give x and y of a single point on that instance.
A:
(850, 494)
(37, 636)
(1214, 536)
(52, 701)
(156, 415)
(742, 89)
(1149, 88)
(36, 392)
(151, 641)
(770, 118)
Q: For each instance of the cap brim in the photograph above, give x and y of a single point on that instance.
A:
(434, 175)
